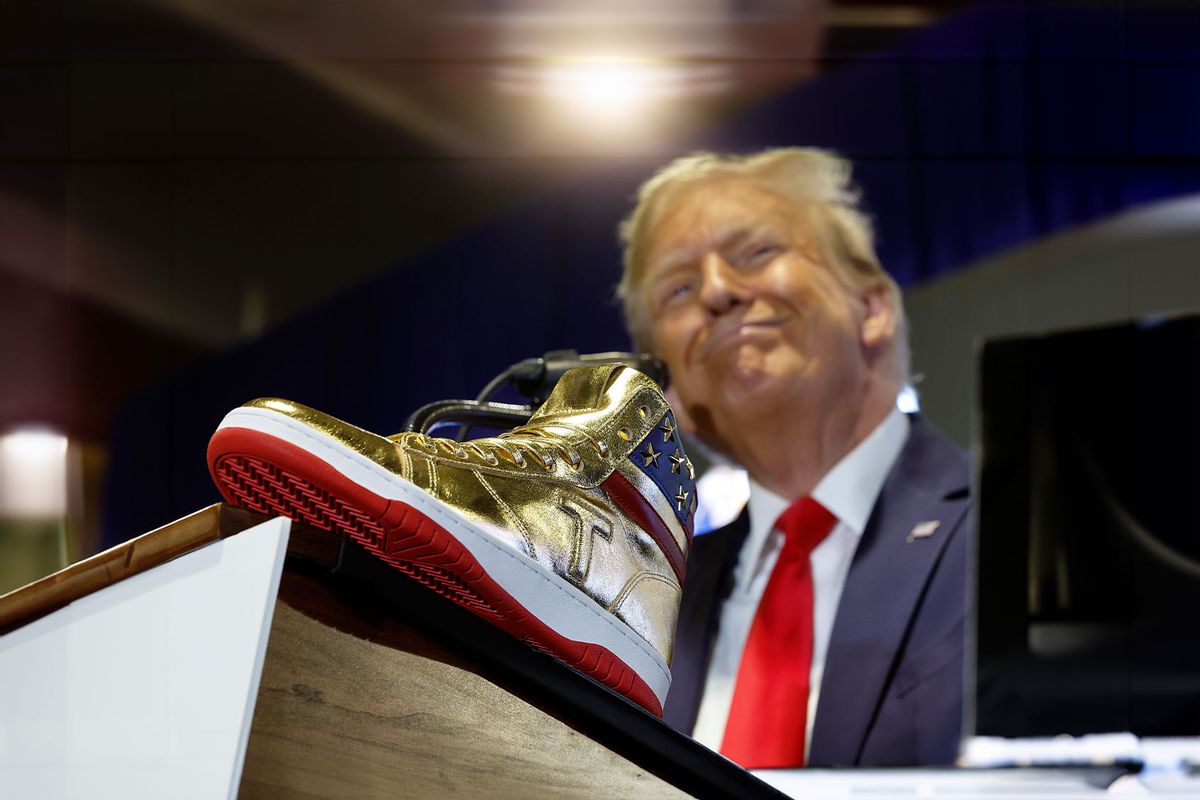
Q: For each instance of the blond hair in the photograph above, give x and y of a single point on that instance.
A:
(816, 180)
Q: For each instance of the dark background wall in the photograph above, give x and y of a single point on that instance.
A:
(998, 127)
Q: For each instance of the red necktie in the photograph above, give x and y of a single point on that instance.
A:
(770, 699)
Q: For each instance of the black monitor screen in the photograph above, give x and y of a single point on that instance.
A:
(1088, 549)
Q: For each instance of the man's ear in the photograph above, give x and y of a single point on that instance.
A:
(879, 324)
(683, 420)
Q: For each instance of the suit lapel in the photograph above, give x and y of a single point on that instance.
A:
(709, 581)
(883, 588)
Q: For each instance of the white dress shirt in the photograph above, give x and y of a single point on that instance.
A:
(849, 491)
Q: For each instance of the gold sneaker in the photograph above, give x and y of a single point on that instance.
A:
(570, 532)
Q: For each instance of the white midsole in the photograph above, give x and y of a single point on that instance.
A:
(554, 601)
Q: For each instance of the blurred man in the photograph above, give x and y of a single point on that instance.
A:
(825, 625)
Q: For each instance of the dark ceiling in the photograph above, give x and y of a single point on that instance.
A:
(181, 175)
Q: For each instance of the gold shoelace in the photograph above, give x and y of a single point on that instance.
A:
(542, 443)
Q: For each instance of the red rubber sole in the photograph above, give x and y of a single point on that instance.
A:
(266, 474)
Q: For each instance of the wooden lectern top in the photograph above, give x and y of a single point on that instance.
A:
(374, 686)
(24, 605)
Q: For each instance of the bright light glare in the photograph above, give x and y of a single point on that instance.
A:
(606, 87)
(599, 86)
(33, 474)
(908, 401)
(721, 493)
(611, 89)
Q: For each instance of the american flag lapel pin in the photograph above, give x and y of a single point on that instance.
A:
(923, 530)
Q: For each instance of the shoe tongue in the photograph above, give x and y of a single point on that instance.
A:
(583, 389)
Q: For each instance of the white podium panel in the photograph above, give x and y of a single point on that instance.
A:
(145, 688)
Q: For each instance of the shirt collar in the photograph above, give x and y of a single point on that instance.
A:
(848, 490)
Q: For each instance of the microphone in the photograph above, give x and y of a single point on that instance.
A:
(535, 377)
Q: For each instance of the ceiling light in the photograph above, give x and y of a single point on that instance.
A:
(615, 89)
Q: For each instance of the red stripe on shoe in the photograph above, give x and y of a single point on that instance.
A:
(639, 509)
(270, 475)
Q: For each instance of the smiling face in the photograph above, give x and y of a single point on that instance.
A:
(747, 315)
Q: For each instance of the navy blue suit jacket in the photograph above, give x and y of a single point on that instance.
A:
(892, 688)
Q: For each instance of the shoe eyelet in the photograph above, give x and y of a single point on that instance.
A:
(491, 459)
(602, 448)
(461, 453)
(625, 434)
(643, 411)
(548, 463)
(575, 461)
(519, 460)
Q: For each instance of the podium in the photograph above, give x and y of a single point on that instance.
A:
(232, 654)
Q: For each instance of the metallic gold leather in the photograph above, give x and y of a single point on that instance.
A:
(554, 513)
(374, 447)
